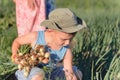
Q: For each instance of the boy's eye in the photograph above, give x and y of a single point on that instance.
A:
(64, 39)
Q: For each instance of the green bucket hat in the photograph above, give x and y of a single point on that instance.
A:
(63, 19)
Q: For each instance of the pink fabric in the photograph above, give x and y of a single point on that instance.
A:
(29, 20)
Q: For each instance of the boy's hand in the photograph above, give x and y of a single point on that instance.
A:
(70, 75)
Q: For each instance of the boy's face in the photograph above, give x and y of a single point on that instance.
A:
(62, 39)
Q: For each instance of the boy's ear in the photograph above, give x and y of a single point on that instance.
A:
(50, 30)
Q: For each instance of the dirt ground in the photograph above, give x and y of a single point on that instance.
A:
(11, 77)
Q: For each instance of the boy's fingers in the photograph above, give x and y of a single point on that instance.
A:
(45, 61)
(14, 58)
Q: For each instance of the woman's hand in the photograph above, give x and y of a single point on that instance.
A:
(14, 1)
(32, 4)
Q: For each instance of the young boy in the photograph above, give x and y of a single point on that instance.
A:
(62, 25)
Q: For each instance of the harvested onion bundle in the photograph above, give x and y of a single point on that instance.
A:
(31, 59)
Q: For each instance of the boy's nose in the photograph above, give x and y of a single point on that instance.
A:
(67, 42)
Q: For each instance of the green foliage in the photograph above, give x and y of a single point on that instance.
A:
(97, 45)
(7, 34)
(114, 71)
(89, 5)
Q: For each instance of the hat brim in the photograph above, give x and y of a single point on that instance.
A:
(52, 25)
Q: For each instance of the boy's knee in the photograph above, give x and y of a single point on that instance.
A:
(39, 76)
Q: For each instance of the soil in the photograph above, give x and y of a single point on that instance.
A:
(11, 77)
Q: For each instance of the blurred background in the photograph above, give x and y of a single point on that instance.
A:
(97, 53)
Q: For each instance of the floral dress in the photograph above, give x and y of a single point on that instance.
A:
(28, 20)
